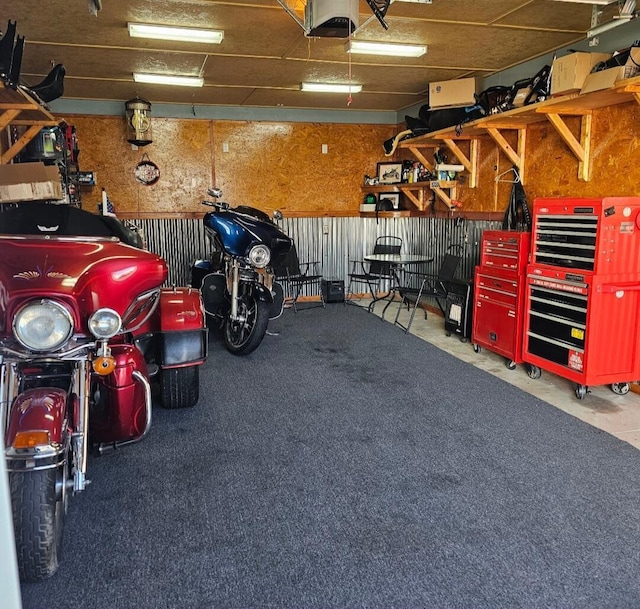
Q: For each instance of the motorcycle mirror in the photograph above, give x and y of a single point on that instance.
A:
(214, 192)
(277, 214)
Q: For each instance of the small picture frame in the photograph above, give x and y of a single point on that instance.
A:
(389, 173)
(394, 197)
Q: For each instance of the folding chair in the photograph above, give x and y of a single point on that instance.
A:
(296, 275)
(373, 274)
(422, 288)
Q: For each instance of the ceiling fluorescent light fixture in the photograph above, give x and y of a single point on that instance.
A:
(165, 32)
(598, 2)
(168, 79)
(609, 25)
(320, 87)
(384, 48)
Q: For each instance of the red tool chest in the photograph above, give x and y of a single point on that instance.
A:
(499, 294)
(582, 298)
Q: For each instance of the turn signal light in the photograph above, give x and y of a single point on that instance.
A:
(29, 439)
(104, 365)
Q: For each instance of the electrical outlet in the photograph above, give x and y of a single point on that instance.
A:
(325, 229)
(325, 148)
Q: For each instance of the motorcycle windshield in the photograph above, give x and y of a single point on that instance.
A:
(238, 233)
(90, 273)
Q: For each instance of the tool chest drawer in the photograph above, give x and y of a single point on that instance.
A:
(587, 235)
(496, 289)
(498, 312)
(505, 250)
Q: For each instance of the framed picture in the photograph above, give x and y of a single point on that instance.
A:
(394, 197)
(389, 173)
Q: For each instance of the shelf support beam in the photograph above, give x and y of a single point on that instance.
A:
(19, 144)
(470, 163)
(580, 149)
(517, 158)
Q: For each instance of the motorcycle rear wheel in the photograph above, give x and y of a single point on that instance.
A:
(38, 521)
(180, 387)
(243, 337)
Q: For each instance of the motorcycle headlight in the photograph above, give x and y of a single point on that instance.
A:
(105, 323)
(43, 325)
(260, 256)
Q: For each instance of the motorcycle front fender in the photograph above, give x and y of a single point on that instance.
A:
(42, 409)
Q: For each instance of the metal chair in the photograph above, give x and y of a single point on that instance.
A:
(373, 274)
(296, 275)
(422, 288)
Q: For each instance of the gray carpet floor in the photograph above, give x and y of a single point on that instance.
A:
(345, 464)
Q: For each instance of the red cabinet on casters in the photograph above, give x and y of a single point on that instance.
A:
(582, 300)
(499, 294)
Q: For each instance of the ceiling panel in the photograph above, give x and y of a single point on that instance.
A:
(265, 54)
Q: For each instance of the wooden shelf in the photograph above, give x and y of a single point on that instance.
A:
(18, 108)
(519, 119)
(416, 192)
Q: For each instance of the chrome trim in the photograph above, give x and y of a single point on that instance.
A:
(150, 295)
(34, 459)
(81, 381)
(52, 356)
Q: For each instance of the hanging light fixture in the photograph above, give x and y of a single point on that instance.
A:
(138, 112)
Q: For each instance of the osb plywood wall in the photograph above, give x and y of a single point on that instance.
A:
(267, 165)
(281, 165)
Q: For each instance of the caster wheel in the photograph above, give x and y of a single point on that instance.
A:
(463, 339)
(477, 348)
(510, 364)
(533, 372)
(581, 392)
(620, 388)
(447, 333)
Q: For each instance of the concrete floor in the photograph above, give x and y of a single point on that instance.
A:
(618, 415)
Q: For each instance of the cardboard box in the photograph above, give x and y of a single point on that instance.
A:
(605, 79)
(29, 182)
(568, 73)
(454, 93)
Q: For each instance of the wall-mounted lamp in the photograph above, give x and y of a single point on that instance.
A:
(138, 112)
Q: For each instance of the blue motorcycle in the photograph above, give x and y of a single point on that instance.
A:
(237, 282)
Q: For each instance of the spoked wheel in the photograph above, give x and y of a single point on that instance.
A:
(620, 388)
(39, 503)
(243, 335)
(581, 391)
(180, 387)
(533, 372)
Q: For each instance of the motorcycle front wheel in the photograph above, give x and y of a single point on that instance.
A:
(38, 499)
(242, 336)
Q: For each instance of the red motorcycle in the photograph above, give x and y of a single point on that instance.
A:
(84, 326)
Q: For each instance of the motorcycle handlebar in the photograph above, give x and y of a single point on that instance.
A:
(218, 204)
